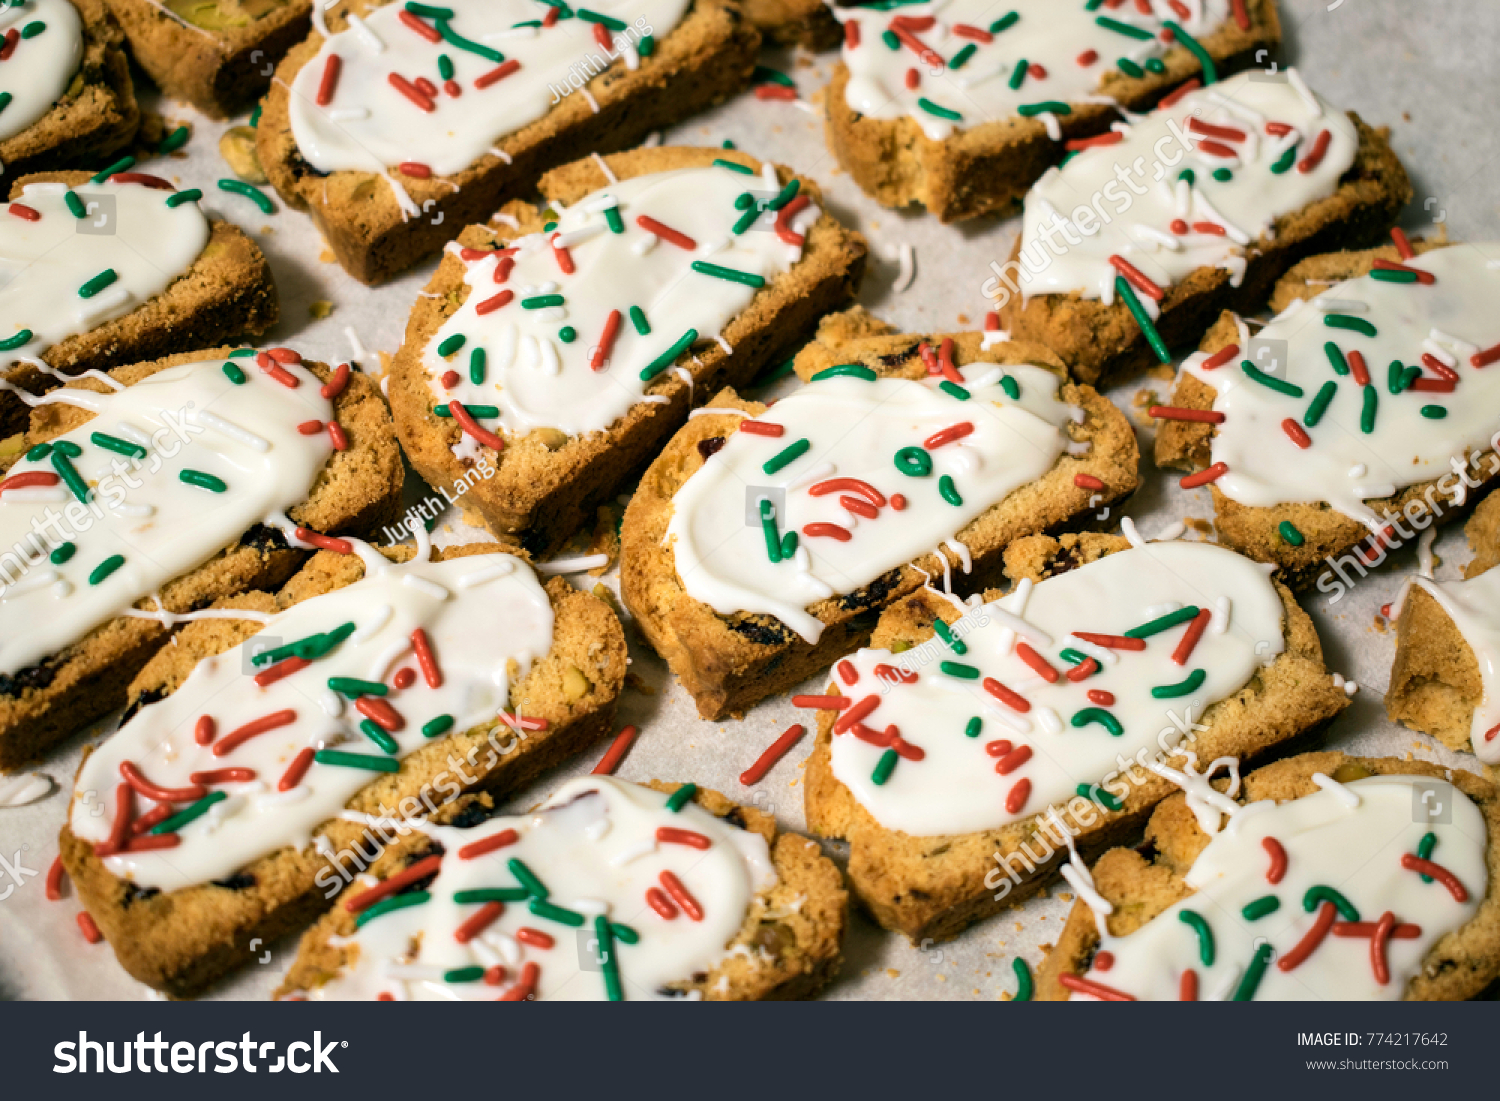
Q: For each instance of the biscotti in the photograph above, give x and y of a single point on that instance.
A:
(961, 107)
(1330, 878)
(146, 494)
(763, 543)
(607, 891)
(1210, 200)
(281, 754)
(1442, 679)
(144, 273)
(973, 746)
(69, 100)
(217, 56)
(391, 167)
(1367, 421)
(576, 352)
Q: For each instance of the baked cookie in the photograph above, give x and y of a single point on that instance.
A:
(134, 271)
(68, 97)
(661, 891)
(145, 494)
(962, 106)
(399, 129)
(1447, 639)
(217, 55)
(267, 758)
(1134, 248)
(1366, 422)
(763, 543)
(975, 743)
(563, 345)
(1326, 882)
(807, 23)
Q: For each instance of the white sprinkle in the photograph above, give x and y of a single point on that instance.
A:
(905, 256)
(369, 38)
(377, 622)
(17, 791)
(1218, 621)
(590, 100)
(496, 151)
(348, 114)
(1049, 720)
(232, 430)
(1346, 796)
(1031, 633)
(1127, 527)
(1340, 305)
(572, 565)
(728, 348)
(633, 852)
(609, 176)
(424, 586)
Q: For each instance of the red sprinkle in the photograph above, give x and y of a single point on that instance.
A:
(1103, 961)
(1178, 413)
(601, 36)
(671, 835)
(656, 898)
(762, 428)
(142, 786)
(851, 34)
(526, 986)
(1241, 15)
(489, 844)
(606, 339)
(1403, 246)
(860, 507)
(998, 748)
(55, 879)
(425, 659)
(490, 305)
(1378, 962)
(852, 485)
(1203, 477)
(534, 937)
(563, 257)
(1114, 642)
(1438, 367)
(119, 829)
(1095, 989)
(90, 930)
(1414, 863)
(404, 678)
(144, 179)
(410, 91)
(1037, 662)
(285, 355)
(1187, 986)
(1101, 697)
(1087, 481)
(822, 703)
(380, 712)
(223, 776)
(948, 435)
(1083, 670)
(322, 542)
(831, 531)
(1016, 798)
(453, 88)
(296, 770)
(1221, 357)
(330, 81)
(1297, 433)
(1278, 859)
(1136, 278)
(929, 56)
(420, 870)
(152, 818)
(279, 670)
(236, 738)
(945, 362)
(521, 722)
(1179, 227)
(476, 923)
(1211, 228)
(615, 753)
(1037, 71)
(21, 210)
(778, 749)
(1400, 931)
(153, 842)
(913, 80)
(268, 364)
(1088, 57)
(1011, 699)
(847, 672)
(1013, 760)
(494, 76)
(1278, 129)
(12, 37)
(681, 896)
(335, 386)
(310, 428)
(1315, 155)
(494, 976)
(1182, 90)
(471, 426)
(978, 34)
(426, 30)
(337, 436)
(1227, 133)
(204, 730)
(1190, 637)
(856, 714)
(1309, 943)
(415, 169)
(774, 91)
(1426, 278)
(898, 501)
(784, 218)
(1486, 357)
(30, 478)
(1358, 368)
(1109, 137)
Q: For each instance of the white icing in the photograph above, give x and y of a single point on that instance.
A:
(572, 843)
(459, 131)
(1267, 468)
(1060, 257)
(474, 655)
(1474, 607)
(44, 263)
(1051, 34)
(535, 378)
(955, 789)
(141, 510)
(1357, 851)
(856, 428)
(40, 68)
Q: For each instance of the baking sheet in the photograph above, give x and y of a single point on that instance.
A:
(1422, 67)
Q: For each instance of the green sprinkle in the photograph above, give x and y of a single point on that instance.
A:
(787, 455)
(1255, 374)
(1098, 795)
(949, 491)
(491, 894)
(733, 275)
(544, 909)
(1129, 68)
(456, 341)
(445, 66)
(548, 227)
(527, 878)
(1434, 412)
(385, 905)
(539, 302)
(944, 632)
(1353, 324)
(124, 164)
(746, 220)
(1260, 907)
(846, 370)
(32, 29)
(1285, 161)
(233, 374)
(1098, 715)
(39, 452)
(354, 688)
(202, 481)
(768, 530)
(69, 474)
(1409, 376)
(785, 195)
(477, 361)
(255, 115)
(117, 445)
(1205, 59)
(1156, 65)
(98, 283)
(440, 725)
(1189, 175)
(1076, 657)
(1367, 413)
(567, 334)
(62, 553)
(372, 730)
(665, 360)
(764, 73)
(478, 412)
(1223, 175)
(68, 448)
(744, 201)
(771, 374)
(890, 39)
(1188, 684)
(310, 648)
(1319, 404)
(1394, 376)
(1148, 329)
(638, 319)
(1424, 851)
(1336, 358)
(613, 219)
(960, 59)
(788, 544)
(22, 337)
(1290, 533)
(914, 462)
(463, 974)
(357, 760)
(604, 933)
(647, 46)
(1205, 935)
(719, 162)
(1023, 973)
(453, 38)
(1163, 623)
(197, 810)
(1011, 387)
(953, 390)
(973, 727)
(1126, 29)
(105, 568)
(177, 139)
(960, 670)
(1381, 275)
(884, 767)
(1254, 971)
(1321, 893)
(1005, 22)
(243, 353)
(251, 192)
(1018, 74)
(624, 933)
(428, 11)
(613, 24)
(681, 797)
(75, 204)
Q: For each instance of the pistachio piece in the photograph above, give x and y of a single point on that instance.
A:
(237, 147)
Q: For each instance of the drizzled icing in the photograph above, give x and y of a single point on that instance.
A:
(43, 45)
(486, 619)
(56, 551)
(369, 125)
(1061, 737)
(1073, 49)
(127, 228)
(1134, 217)
(1345, 465)
(594, 847)
(1355, 850)
(1474, 607)
(535, 377)
(854, 429)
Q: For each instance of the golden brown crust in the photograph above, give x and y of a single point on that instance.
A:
(729, 663)
(706, 57)
(987, 168)
(806, 23)
(1459, 966)
(355, 493)
(791, 934)
(935, 886)
(1103, 345)
(182, 940)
